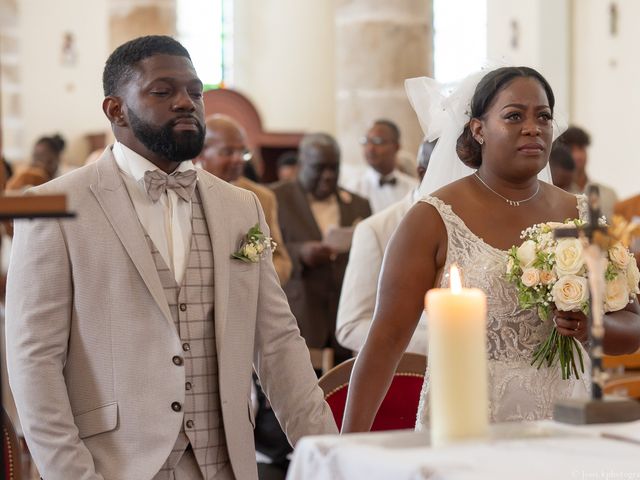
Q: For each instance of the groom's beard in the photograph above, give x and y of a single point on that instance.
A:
(165, 142)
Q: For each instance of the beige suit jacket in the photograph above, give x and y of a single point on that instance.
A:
(90, 338)
(269, 204)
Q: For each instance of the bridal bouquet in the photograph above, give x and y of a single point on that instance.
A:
(550, 273)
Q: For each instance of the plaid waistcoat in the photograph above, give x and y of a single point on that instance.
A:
(192, 308)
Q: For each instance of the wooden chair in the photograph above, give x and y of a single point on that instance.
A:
(11, 450)
(628, 385)
(399, 407)
(621, 362)
(322, 359)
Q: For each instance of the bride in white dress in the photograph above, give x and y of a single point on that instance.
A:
(506, 140)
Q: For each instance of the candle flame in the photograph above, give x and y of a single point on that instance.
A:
(454, 279)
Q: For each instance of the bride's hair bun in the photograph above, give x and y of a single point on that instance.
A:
(468, 149)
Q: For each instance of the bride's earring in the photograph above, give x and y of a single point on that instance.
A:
(480, 140)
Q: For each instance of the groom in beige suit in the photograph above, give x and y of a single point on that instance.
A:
(131, 331)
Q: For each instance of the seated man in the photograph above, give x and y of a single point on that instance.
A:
(225, 146)
(578, 140)
(562, 166)
(358, 298)
(309, 209)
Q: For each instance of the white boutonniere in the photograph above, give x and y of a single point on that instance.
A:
(254, 245)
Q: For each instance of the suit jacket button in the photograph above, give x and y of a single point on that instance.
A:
(178, 360)
(183, 307)
(176, 407)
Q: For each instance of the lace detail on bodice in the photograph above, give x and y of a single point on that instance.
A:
(517, 390)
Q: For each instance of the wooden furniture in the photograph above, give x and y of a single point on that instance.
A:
(11, 450)
(622, 362)
(627, 385)
(265, 146)
(399, 407)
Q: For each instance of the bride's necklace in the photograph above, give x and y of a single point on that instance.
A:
(513, 203)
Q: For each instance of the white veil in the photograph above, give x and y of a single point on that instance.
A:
(443, 110)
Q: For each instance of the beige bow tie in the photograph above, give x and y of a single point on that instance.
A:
(157, 182)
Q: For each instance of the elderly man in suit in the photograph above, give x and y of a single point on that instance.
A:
(358, 299)
(223, 155)
(309, 209)
(133, 335)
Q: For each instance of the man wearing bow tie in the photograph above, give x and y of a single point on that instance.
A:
(382, 183)
(131, 339)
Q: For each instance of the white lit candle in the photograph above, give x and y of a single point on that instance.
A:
(457, 362)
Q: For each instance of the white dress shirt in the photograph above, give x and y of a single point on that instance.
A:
(168, 221)
(325, 212)
(380, 197)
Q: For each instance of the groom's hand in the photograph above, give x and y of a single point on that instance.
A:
(314, 254)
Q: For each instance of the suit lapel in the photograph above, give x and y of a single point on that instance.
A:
(114, 200)
(215, 211)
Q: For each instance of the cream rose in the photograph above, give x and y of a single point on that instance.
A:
(616, 295)
(619, 255)
(527, 253)
(530, 277)
(250, 252)
(570, 292)
(633, 277)
(547, 277)
(569, 256)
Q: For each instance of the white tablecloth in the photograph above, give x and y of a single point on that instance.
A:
(536, 451)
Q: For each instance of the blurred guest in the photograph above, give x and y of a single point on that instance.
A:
(312, 209)
(224, 155)
(629, 209)
(45, 160)
(7, 172)
(578, 140)
(288, 166)
(360, 287)
(562, 166)
(382, 183)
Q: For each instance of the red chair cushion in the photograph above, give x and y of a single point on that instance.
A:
(398, 409)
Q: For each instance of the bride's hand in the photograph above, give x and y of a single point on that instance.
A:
(571, 324)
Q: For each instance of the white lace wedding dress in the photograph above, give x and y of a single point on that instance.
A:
(517, 391)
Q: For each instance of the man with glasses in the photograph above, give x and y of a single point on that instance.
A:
(382, 183)
(224, 155)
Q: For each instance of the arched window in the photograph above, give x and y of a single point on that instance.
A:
(460, 38)
(205, 28)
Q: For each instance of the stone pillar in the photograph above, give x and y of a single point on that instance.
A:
(379, 44)
(129, 19)
(12, 132)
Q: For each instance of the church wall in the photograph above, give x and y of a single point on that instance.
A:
(57, 97)
(284, 62)
(606, 98)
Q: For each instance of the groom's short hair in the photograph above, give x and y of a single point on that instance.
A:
(120, 65)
